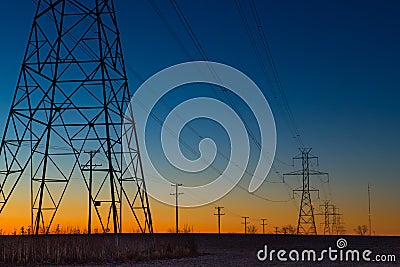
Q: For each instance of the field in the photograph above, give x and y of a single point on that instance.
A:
(91, 249)
(241, 250)
(188, 250)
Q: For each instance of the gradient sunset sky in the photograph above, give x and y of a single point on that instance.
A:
(339, 63)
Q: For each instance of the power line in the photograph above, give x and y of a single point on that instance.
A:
(197, 43)
(90, 53)
(160, 121)
(275, 71)
(264, 70)
(169, 28)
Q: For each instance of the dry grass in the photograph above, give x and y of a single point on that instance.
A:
(101, 248)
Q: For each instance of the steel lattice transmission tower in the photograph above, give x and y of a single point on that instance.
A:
(306, 221)
(327, 213)
(72, 96)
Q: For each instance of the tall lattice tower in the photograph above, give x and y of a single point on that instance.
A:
(327, 214)
(71, 98)
(306, 221)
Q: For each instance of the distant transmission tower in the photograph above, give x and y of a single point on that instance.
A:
(306, 221)
(326, 214)
(336, 220)
(340, 229)
(72, 96)
(329, 210)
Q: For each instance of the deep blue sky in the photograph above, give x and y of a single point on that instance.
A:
(338, 62)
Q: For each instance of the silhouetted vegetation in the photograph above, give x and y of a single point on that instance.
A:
(100, 248)
(288, 229)
(186, 229)
(252, 229)
(361, 229)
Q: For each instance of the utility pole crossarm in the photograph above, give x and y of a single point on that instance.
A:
(313, 172)
(301, 190)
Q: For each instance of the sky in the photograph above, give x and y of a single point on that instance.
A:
(338, 62)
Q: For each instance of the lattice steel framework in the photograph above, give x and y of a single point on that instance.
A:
(72, 96)
(306, 221)
(327, 213)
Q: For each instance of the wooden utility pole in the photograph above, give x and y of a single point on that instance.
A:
(219, 214)
(245, 223)
(263, 225)
(176, 194)
(90, 168)
(369, 209)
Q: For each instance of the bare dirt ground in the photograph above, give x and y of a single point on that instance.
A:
(241, 250)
